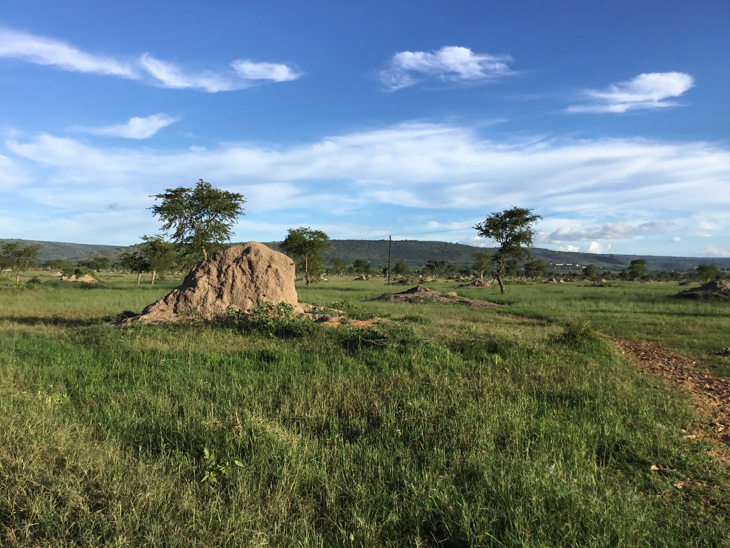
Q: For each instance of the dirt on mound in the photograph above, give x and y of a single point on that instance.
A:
(421, 294)
(239, 278)
(476, 283)
(719, 288)
(86, 278)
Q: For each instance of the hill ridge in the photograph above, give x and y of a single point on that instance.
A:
(414, 253)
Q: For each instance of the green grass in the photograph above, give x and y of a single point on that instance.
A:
(448, 426)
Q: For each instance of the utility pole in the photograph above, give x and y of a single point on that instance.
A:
(390, 242)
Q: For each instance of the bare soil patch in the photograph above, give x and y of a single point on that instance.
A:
(716, 288)
(421, 294)
(712, 394)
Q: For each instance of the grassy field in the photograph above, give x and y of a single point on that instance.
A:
(447, 426)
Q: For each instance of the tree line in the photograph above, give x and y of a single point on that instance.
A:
(199, 221)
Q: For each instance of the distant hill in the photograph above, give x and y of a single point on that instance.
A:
(412, 252)
(415, 253)
(68, 251)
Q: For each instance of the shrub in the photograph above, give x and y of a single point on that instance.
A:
(272, 320)
(574, 333)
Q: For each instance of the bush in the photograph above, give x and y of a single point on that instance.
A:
(574, 333)
(273, 320)
(34, 280)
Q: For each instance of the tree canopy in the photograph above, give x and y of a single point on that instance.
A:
(482, 262)
(135, 262)
(160, 255)
(198, 219)
(512, 230)
(637, 269)
(708, 272)
(305, 245)
(18, 257)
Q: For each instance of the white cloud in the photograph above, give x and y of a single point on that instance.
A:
(47, 51)
(676, 239)
(595, 247)
(718, 250)
(136, 128)
(274, 72)
(645, 91)
(429, 166)
(611, 231)
(450, 63)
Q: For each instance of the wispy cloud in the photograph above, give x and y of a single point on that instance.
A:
(136, 128)
(273, 72)
(449, 64)
(430, 166)
(611, 231)
(47, 51)
(645, 91)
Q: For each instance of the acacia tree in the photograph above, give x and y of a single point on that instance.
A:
(200, 219)
(637, 269)
(135, 262)
(361, 266)
(341, 266)
(590, 272)
(534, 269)
(160, 254)
(305, 245)
(482, 262)
(400, 269)
(512, 230)
(708, 272)
(18, 257)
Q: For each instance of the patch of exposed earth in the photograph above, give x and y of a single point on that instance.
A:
(711, 394)
(421, 294)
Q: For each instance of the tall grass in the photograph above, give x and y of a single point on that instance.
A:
(447, 426)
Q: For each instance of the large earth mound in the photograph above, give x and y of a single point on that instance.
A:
(239, 278)
(421, 294)
(716, 288)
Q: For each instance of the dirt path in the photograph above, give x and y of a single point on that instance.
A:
(711, 394)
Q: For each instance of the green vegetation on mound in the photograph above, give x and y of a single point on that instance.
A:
(447, 426)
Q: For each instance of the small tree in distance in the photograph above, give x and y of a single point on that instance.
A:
(200, 218)
(400, 269)
(340, 266)
(160, 254)
(708, 272)
(305, 245)
(590, 272)
(535, 269)
(18, 257)
(482, 262)
(361, 266)
(512, 230)
(637, 269)
(135, 262)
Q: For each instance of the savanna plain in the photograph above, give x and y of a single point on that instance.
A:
(520, 425)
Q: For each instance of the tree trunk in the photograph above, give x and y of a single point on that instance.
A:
(205, 254)
(306, 270)
(500, 268)
(481, 275)
(154, 273)
(139, 276)
(17, 277)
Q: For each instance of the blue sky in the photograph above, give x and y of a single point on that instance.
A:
(365, 119)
